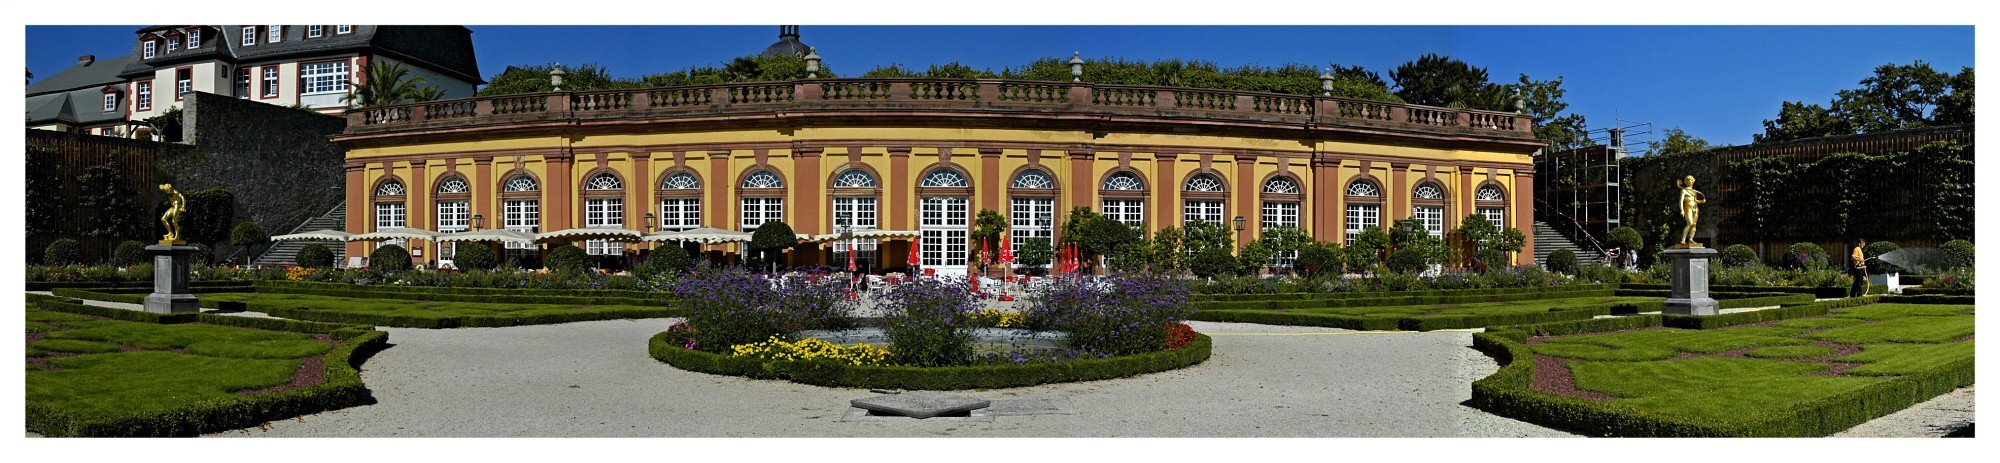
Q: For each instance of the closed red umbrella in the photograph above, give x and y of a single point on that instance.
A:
(915, 258)
(1007, 258)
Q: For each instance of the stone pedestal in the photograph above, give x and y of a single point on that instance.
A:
(170, 279)
(1690, 274)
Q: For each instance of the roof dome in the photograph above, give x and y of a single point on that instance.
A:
(788, 44)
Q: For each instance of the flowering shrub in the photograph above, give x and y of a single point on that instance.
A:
(1179, 334)
(298, 273)
(1113, 315)
(820, 303)
(728, 306)
(1959, 278)
(929, 322)
(777, 349)
(997, 318)
(1382, 280)
(101, 272)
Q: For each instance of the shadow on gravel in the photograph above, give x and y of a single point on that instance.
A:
(1962, 431)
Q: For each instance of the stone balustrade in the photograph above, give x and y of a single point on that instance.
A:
(988, 96)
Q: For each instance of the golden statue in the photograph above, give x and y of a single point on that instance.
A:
(172, 219)
(1691, 201)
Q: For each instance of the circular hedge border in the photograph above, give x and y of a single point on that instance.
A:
(836, 374)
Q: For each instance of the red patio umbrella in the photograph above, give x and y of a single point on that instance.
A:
(915, 258)
(1007, 258)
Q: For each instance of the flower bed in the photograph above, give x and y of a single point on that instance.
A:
(1774, 393)
(339, 382)
(403, 311)
(833, 373)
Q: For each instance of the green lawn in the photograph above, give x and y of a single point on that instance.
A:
(219, 360)
(391, 309)
(1780, 368)
(1484, 308)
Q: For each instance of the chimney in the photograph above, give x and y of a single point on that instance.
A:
(85, 60)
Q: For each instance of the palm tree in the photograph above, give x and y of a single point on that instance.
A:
(386, 86)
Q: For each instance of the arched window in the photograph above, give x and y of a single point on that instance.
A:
(390, 210)
(680, 201)
(520, 212)
(1427, 206)
(758, 210)
(1034, 179)
(1031, 208)
(454, 185)
(1364, 207)
(603, 181)
(1281, 209)
(454, 213)
(603, 207)
(855, 178)
(390, 188)
(1205, 196)
(1282, 186)
(1124, 198)
(1491, 204)
(521, 182)
(945, 178)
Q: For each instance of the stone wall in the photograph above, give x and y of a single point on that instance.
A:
(277, 160)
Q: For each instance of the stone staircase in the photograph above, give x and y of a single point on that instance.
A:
(1548, 240)
(283, 252)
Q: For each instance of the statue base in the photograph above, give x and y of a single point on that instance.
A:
(174, 242)
(1689, 295)
(170, 280)
(1687, 245)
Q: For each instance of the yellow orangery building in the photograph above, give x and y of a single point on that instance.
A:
(923, 156)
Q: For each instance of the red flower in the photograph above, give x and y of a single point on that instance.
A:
(1179, 334)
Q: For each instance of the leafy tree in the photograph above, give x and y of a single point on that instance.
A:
(1806, 256)
(129, 253)
(1737, 255)
(1285, 241)
(1201, 235)
(1894, 97)
(1489, 246)
(166, 126)
(63, 252)
(1675, 140)
(1368, 248)
(1409, 235)
(772, 237)
(389, 258)
(535, 79)
(1166, 252)
(1254, 256)
(1434, 80)
(988, 227)
(109, 207)
(1625, 238)
(1874, 253)
(1319, 258)
(473, 256)
(1102, 236)
(1562, 261)
(1035, 252)
(1130, 256)
(387, 84)
(1543, 100)
(1958, 253)
(1212, 261)
(1295, 79)
(209, 213)
(247, 234)
(318, 256)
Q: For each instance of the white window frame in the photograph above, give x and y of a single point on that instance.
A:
(1203, 209)
(183, 86)
(1360, 217)
(243, 82)
(863, 212)
(194, 38)
(678, 214)
(276, 33)
(324, 77)
(391, 215)
(521, 215)
(1026, 214)
(603, 213)
(315, 31)
(945, 232)
(1432, 217)
(758, 210)
(270, 81)
(249, 35)
(454, 216)
(151, 47)
(1496, 215)
(1129, 211)
(145, 92)
(1280, 214)
(173, 45)
(343, 29)
(111, 102)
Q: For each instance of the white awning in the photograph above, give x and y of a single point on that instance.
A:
(491, 234)
(316, 235)
(589, 233)
(866, 234)
(396, 234)
(704, 235)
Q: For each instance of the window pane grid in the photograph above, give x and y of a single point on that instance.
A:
(1496, 215)
(944, 231)
(1360, 217)
(680, 213)
(1202, 210)
(522, 216)
(324, 77)
(1127, 211)
(1028, 221)
(1432, 218)
(757, 211)
(389, 215)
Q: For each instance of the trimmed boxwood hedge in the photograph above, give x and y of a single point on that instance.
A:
(343, 387)
(836, 374)
(1387, 299)
(1509, 392)
(399, 321)
(1822, 293)
(1430, 323)
(147, 284)
(453, 294)
(1376, 294)
(1937, 291)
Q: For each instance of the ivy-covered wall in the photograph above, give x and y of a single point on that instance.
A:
(97, 190)
(276, 160)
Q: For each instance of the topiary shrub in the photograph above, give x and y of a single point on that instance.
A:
(1319, 258)
(1958, 253)
(1562, 261)
(768, 243)
(568, 258)
(1408, 261)
(130, 252)
(1806, 256)
(1737, 255)
(314, 256)
(670, 259)
(1874, 252)
(1213, 261)
(63, 252)
(474, 256)
(248, 234)
(390, 258)
(1625, 237)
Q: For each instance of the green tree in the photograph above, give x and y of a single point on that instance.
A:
(1201, 235)
(389, 258)
(568, 259)
(472, 256)
(988, 227)
(129, 253)
(1035, 252)
(1285, 242)
(1893, 97)
(769, 242)
(247, 235)
(1489, 246)
(1368, 248)
(1319, 258)
(318, 256)
(535, 79)
(1167, 253)
(1212, 261)
(1675, 140)
(63, 252)
(1543, 101)
(1102, 236)
(1254, 256)
(166, 126)
(109, 207)
(1433, 80)
(387, 84)
(1409, 238)
(209, 213)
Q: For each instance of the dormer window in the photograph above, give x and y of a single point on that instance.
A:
(346, 29)
(276, 32)
(194, 38)
(173, 45)
(110, 102)
(150, 46)
(315, 31)
(249, 35)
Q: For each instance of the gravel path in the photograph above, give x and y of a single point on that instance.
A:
(594, 379)
(1934, 418)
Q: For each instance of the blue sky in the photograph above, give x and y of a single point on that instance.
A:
(1716, 82)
